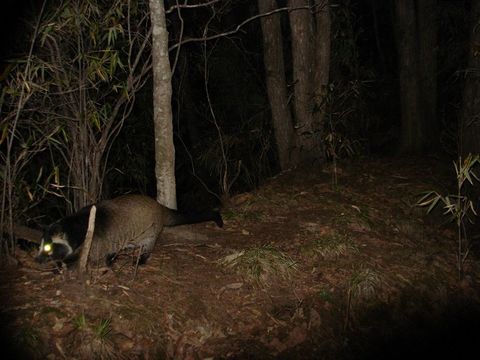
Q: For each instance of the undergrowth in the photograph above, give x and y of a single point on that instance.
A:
(261, 265)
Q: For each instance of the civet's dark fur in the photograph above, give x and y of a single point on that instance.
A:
(123, 222)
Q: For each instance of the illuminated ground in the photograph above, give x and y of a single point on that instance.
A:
(300, 270)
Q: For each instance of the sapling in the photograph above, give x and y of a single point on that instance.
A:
(459, 207)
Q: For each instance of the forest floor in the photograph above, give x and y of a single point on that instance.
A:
(301, 270)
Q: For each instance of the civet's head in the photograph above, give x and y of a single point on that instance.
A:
(55, 245)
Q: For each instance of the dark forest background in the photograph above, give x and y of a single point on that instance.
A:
(364, 100)
(323, 130)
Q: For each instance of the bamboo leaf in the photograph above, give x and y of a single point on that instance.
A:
(56, 172)
(433, 204)
(39, 176)
(4, 134)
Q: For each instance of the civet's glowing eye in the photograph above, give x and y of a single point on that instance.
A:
(47, 247)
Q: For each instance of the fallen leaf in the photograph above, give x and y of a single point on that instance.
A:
(58, 325)
(234, 286)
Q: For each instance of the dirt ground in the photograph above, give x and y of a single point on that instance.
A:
(301, 270)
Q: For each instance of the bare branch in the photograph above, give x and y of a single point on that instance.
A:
(182, 27)
(25, 233)
(239, 26)
(189, 6)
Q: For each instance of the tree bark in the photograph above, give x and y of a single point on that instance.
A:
(322, 64)
(412, 134)
(307, 138)
(470, 118)
(162, 107)
(276, 81)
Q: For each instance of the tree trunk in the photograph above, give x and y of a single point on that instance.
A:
(427, 70)
(307, 138)
(470, 120)
(412, 134)
(276, 81)
(322, 65)
(162, 107)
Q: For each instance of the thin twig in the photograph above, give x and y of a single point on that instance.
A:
(189, 6)
(182, 27)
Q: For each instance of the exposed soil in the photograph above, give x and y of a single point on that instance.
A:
(300, 270)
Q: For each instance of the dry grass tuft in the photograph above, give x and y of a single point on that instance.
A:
(365, 283)
(330, 246)
(261, 265)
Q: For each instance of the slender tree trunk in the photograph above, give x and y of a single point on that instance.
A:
(276, 81)
(162, 107)
(427, 70)
(412, 134)
(470, 119)
(322, 65)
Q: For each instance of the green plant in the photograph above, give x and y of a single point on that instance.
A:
(340, 123)
(64, 101)
(103, 329)
(325, 295)
(93, 339)
(19, 140)
(80, 322)
(458, 206)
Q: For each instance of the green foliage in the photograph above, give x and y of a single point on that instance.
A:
(80, 322)
(326, 295)
(93, 340)
(103, 329)
(64, 102)
(459, 207)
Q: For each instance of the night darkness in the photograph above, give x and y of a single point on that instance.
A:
(341, 147)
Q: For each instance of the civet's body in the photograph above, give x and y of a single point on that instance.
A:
(120, 223)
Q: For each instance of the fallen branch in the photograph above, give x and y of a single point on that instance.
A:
(88, 241)
(25, 233)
